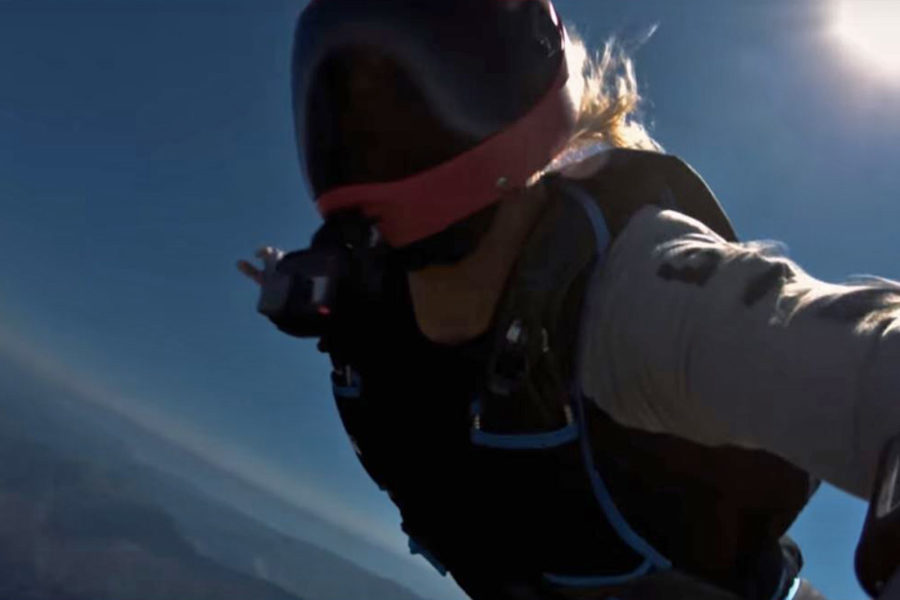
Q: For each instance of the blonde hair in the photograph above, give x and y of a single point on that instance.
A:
(606, 94)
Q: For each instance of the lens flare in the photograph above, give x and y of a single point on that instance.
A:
(871, 29)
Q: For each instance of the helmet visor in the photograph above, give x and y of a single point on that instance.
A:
(471, 67)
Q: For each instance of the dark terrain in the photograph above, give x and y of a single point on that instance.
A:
(82, 519)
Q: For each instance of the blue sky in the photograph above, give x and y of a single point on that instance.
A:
(146, 145)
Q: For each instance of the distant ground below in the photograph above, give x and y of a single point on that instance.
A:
(82, 519)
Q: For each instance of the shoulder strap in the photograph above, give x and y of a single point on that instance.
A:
(524, 367)
(627, 180)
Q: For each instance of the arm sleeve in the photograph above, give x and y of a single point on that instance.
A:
(724, 343)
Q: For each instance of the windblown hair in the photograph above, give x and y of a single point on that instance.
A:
(609, 98)
(604, 88)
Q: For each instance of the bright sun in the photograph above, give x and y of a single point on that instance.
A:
(871, 28)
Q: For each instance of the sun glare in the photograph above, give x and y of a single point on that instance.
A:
(871, 29)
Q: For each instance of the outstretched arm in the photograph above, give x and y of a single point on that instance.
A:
(725, 343)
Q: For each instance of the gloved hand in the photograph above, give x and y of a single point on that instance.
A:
(270, 257)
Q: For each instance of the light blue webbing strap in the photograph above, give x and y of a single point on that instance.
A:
(521, 441)
(527, 441)
(795, 587)
(652, 558)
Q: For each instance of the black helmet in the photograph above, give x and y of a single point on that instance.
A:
(420, 113)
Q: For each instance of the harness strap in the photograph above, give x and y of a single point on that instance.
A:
(652, 558)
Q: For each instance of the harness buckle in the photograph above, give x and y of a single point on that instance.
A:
(511, 363)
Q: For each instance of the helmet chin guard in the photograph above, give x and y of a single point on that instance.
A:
(474, 103)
